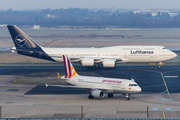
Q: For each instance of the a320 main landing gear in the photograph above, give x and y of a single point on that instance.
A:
(90, 96)
(110, 95)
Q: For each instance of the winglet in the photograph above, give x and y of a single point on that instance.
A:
(132, 79)
(46, 84)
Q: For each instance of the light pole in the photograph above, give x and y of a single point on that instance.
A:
(0, 111)
(81, 111)
(147, 112)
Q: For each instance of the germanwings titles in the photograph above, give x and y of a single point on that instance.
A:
(90, 57)
(97, 86)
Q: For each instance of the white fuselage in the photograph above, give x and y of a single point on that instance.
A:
(105, 56)
(120, 54)
(110, 85)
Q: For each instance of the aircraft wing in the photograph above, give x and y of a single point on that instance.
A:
(57, 78)
(82, 87)
(70, 57)
(74, 58)
(97, 59)
(100, 59)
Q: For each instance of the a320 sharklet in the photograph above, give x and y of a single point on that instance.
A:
(97, 86)
(105, 56)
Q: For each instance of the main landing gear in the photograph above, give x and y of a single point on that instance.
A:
(96, 66)
(110, 95)
(90, 96)
(127, 96)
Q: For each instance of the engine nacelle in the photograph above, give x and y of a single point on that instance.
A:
(98, 93)
(87, 62)
(108, 63)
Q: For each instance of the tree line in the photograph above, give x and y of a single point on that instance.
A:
(85, 17)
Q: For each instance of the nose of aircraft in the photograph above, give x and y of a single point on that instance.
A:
(174, 55)
(138, 89)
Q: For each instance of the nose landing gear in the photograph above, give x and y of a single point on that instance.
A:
(127, 96)
(160, 64)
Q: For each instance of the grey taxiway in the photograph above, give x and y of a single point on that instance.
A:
(160, 93)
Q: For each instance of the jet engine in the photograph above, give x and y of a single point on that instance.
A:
(98, 93)
(108, 63)
(87, 62)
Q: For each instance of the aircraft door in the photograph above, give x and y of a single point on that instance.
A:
(125, 54)
(123, 86)
(103, 84)
(98, 54)
(155, 55)
(72, 54)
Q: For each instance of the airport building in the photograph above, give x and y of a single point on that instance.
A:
(154, 13)
(37, 27)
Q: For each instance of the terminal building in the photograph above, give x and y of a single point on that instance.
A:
(154, 13)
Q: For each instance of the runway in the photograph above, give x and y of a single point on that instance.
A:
(160, 91)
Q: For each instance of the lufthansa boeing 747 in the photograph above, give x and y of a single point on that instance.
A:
(92, 57)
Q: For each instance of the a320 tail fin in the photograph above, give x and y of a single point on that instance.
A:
(21, 39)
(69, 69)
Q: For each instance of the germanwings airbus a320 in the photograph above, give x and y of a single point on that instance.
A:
(97, 86)
(105, 56)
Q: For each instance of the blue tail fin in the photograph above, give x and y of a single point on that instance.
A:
(25, 45)
(21, 40)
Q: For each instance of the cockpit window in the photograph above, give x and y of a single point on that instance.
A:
(164, 48)
(133, 85)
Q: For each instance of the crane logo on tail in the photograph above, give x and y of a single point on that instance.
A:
(20, 40)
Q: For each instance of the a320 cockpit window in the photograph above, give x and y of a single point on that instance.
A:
(133, 85)
(164, 48)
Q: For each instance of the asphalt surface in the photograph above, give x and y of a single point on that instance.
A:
(150, 78)
(160, 91)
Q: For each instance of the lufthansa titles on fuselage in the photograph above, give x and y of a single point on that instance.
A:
(141, 52)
